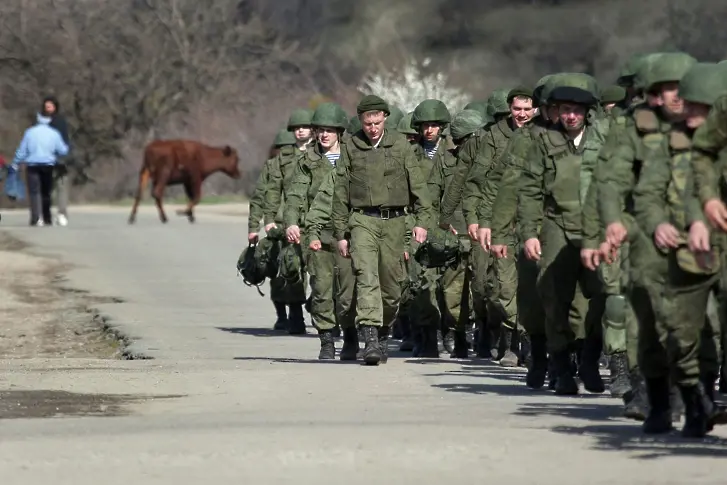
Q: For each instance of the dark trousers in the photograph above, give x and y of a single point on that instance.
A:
(40, 188)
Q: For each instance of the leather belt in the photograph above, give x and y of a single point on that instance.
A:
(382, 214)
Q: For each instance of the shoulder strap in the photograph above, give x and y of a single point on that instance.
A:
(646, 120)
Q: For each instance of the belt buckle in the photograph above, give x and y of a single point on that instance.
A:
(385, 211)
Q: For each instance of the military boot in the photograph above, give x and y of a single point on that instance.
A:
(407, 343)
(448, 340)
(538, 367)
(372, 352)
(525, 356)
(696, 418)
(337, 331)
(281, 310)
(588, 368)
(430, 343)
(350, 348)
(636, 401)
(552, 374)
(384, 344)
(297, 321)
(659, 419)
(328, 348)
(509, 358)
(717, 413)
(676, 404)
(483, 344)
(723, 379)
(565, 381)
(619, 367)
(460, 350)
(417, 339)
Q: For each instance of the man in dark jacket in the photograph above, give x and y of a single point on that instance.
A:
(51, 108)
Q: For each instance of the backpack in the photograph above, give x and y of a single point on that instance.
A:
(267, 253)
(291, 267)
(442, 249)
(248, 270)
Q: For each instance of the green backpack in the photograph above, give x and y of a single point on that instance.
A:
(442, 249)
(248, 270)
(268, 251)
(291, 267)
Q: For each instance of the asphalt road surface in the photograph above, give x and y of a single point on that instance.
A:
(227, 401)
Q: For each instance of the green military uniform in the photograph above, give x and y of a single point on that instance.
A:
(552, 192)
(311, 169)
(635, 139)
(374, 185)
(664, 195)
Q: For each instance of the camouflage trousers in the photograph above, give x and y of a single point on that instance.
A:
(503, 291)
(377, 251)
(563, 284)
(531, 315)
(332, 288)
(482, 271)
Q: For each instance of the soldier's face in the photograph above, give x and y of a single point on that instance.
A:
(431, 131)
(552, 113)
(668, 98)
(373, 125)
(302, 133)
(572, 116)
(521, 110)
(327, 137)
(696, 113)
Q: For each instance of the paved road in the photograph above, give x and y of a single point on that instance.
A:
(257, 408)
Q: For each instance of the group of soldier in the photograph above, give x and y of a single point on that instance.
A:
(566, 221)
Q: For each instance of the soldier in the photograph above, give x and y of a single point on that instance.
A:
(552, 200)
(392, 121)
(481, 108)
(404, 127)
(283, 294)
(666, 209)
(627, 78)
(329, 122)
(613, 100)
(430, 118)
(377, 177)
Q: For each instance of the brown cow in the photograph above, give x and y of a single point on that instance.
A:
(174, 162)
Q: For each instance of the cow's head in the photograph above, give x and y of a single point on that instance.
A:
(230, 162)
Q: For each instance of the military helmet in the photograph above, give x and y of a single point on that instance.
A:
(642, 69)
(300, 117)
(481, 108)
(576, 87)
(465, 123)
(552, 83)
(628, 71)
(669, 67)
(442, 249)
(613, 94)
(703, 83)
(430, 111)
(404, 126)
(330, 115)
(538, 90)
(395, 116)
(284, 138)
(354, 124)
(497, 102)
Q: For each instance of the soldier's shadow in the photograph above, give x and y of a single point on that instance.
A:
(262, 332)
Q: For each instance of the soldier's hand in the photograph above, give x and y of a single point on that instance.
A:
(270, 226)
(699, 237)
(716, 213)
(420, 234)
(499, 250)
(343, 248)
(406, 255)
(666, 236)
(453, 230)
(252, 237)
(532, 249)
(484, 236)
(315, 245)
(616, 234)
(607, 253)
(472, 231)
(591, 258)
(293, 234)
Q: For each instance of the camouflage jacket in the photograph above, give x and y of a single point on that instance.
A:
(280, 178)
(441, 175)
(709, 160)
(258, 198)
(452, 198)
(311, 169)
(319, 214)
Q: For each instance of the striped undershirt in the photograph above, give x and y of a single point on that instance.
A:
(430, 149)
(333, 157)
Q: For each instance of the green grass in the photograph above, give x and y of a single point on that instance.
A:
(206, 200)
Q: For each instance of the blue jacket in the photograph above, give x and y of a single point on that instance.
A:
(41, 145)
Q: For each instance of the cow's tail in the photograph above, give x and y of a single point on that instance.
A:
(144, 176)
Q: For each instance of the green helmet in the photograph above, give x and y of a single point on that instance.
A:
(552, 83)
(404, 125)
(430, 111)
(395, 116)
(538, 90)
(703, 83)
(354, 124)
(642, 69)
(284, 138)
(668, 67)
(330, 115)
(481, 108)
(576, 87)
(442, 249)
(630, 68)
(300, 117)
(497, 102)
(465, 123)
(613, 94)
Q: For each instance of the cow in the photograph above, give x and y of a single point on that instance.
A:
(174, 162)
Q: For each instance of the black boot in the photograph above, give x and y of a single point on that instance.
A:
(539, 362)
(407, 343)
(696, 419)
(588, 368)
(659, 419)
(417, 341)
(430, 343)
(717, 414)
(448, 340)
(509, 358)
(281, 311)
(328, 348)
(525, 356)
(297, 321)
(337, 331)
(460, 350)
(483, 342)
(676, 404)
(372, 352)
(636, 401)
(384, 344)
(552, 374)
(350, 348)
(565, 382)
(619, 367)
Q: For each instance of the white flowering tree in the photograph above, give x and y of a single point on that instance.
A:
(408, 87)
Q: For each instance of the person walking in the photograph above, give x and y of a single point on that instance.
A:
(39, 150)
(51, 109)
